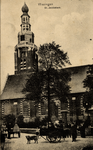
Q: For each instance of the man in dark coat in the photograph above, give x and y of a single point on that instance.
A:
(2, 140)
(73, 131)
(82, 130)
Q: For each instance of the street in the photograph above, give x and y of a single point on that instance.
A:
(21, 144)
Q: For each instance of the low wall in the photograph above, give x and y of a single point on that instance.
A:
(28, 130)
(88, 131)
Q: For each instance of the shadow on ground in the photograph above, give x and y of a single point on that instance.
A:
(88, 148)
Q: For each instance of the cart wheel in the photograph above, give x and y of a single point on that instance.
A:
(50, 138)
(58, 139)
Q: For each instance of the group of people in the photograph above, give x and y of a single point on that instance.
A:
(73, 127)
(67, 130)
(4, 134)
(72, 132)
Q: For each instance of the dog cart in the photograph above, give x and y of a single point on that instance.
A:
(51, 134)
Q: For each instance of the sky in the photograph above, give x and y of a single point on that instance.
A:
(67, 22)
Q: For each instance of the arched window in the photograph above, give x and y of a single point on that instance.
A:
(25, 108)
(23, 19)
(7, 108)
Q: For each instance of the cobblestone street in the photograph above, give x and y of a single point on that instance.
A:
(21, 144)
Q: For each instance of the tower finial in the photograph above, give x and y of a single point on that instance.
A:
(25, 8)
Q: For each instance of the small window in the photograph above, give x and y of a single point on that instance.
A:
(23, 27)
(21, 65)
(30, 40)
(23, 54)
(29, 67)
(22, 68)
(73, 98)
(15, 103)
(21, 60)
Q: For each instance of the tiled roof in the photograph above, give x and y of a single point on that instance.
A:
(16, 83)
(14, 86)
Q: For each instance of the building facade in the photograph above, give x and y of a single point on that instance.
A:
(13, 100)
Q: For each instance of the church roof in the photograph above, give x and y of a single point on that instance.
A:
(16, 83)
(14, 86)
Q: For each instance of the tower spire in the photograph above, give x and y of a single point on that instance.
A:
(26, 60)
(25, 19)
(25, 8)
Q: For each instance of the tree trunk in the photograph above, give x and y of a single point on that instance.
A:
(49, 119)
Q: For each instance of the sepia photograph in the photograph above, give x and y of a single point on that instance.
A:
(46, 86)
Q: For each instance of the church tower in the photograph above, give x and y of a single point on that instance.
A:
(26, 59)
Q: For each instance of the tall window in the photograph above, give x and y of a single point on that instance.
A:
(26, 19)
(75, 106)
(7, 108)
(25, 108)
(15, 108)
(23, 19)
(22, 37)
(32, 108)
(23, 64)
(32, 38)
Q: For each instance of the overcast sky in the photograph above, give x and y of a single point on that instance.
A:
(70, 25)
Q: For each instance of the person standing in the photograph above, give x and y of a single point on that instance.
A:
(37, 132)
(82, 130)
(2, 140)
(64, 132)
(73, 131)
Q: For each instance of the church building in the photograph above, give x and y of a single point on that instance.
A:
(13, 100)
